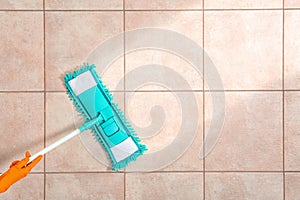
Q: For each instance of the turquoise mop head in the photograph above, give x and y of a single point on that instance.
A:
(94, 101)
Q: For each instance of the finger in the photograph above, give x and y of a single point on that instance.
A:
(34, 163)
(22, 163)
(27, 154)
(13, 163)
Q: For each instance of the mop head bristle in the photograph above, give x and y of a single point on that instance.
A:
(92, 98)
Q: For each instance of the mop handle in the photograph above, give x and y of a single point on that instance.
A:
(82, 128)
(55, 144)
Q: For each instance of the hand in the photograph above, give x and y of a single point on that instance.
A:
(17, 171)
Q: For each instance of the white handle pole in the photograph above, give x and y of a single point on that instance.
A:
(54, 145)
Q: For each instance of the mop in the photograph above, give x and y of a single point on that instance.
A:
(109, 126)
(102, 116)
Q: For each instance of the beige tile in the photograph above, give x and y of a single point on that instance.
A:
(83, 4)
(73, 155)
(237, 4)
(72, 36)
(173, 72)
(292, 186)
(100, 186)
(251, 138)
(31, 188)
(21, 127)
(190, 160)
(162, 119)
(239, 43)
(245, 186)
(189, 24)
(291, 3)
(164, 186)
(292, 128)
(291, 49)
(156, 4)
(21, 51)
(15, 4)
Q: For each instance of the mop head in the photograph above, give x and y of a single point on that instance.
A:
(93, 100)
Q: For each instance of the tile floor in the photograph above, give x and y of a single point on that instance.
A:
(255, 46)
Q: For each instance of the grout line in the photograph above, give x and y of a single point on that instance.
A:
(291, 8)
(58, 91)
(287, 90)
(201, 91)
(243, 9)
(291, 90)
(146, 10)
(168, 10)
(203, 104)
(163, 10)
(283, 103)
(45, 94)
(219, 171)
(162, 172)
(212, 9)
(205, 91)
(82, 172)
(127, 91)
(124, 51)
(38, 91)
(85, 10)
(21, 10)
(124, 88)
(124, 188)
(246, 171)
(61, 91)
(243, 90)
